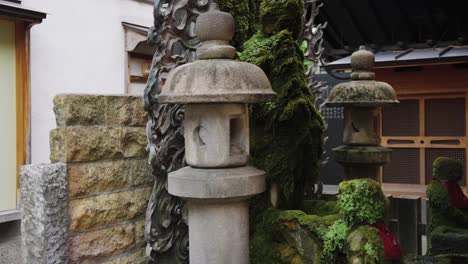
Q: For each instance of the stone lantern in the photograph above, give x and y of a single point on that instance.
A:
(362, 99)
(218, 183)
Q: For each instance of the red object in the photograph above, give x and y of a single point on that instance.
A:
(456, 195)
(391, 244)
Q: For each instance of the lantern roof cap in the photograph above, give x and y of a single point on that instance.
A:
(216, 77)
(363, 90)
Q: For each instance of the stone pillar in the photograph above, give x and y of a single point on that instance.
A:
(362, 99)
(217, 184)
(88, 206)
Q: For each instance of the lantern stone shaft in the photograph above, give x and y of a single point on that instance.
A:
(217, 183)
(362, 99)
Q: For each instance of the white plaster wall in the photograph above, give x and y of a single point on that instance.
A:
(79, 48)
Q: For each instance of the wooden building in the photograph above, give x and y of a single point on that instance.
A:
(15, 23)
(421, 49)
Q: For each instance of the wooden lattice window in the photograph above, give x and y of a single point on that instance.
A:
(419, 130)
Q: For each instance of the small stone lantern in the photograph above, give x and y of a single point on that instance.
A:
(218, 183)
(362, 99)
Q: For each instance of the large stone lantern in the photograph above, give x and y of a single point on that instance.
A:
(218, 183)
(362, 99)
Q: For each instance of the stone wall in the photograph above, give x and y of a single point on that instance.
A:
(88, 206)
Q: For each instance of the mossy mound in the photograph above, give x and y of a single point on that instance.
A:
(364, 245)
(286, 134)
(447, 240)
(447, 169)
(321, 208)
(448, 226)
(279, 15)
(361, 201)
(289, 237)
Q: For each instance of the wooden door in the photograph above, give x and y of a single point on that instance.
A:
(8, 166)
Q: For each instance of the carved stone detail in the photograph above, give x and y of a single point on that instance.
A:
(173, 34)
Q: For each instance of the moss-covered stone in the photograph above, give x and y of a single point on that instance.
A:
(321, 207)
(361, 201)
(289, 237)
(278, 15)
(448, 240)
(364, 245)
(447, 169)
(286, 134)
(442, 216)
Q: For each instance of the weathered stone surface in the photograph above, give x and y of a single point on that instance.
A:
(108, 209)
(97, 177)
(138, 257)
(216, 136)
(88, 110)
(219, 232)
(142, 173)
(102, 243)
(194, 183)
(140, 233)
(234, 82)
(44, 204)
(125, 110)
(73, 144)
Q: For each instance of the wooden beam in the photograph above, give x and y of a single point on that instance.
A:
(382, 26)
(363, 37)
(22, 95)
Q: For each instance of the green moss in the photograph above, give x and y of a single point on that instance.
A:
(246, 15)
(361, 201)
(286, 134)
(442, 216)
(289, 237)
(279, 15)
(321, 208)
(364, 244)
(447, 169)
(334, 241)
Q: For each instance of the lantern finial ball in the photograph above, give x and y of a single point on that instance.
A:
(362, 63)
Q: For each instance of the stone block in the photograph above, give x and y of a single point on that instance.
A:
(97, 177)
(140, 233)
(137, 257)
(74, 144)
(102, 243)
(125, 110)
(99, 211)
(89, 110)
(72, 110)
(216, 135)
(44, 204)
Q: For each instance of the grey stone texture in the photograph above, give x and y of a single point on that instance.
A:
(218, 184)
(361, 155)
(44, 206)
(219, 232)
(216, 135)
(229, 82)
(363, 90)
(195, 183)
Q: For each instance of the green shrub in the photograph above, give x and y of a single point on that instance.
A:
(447, 169)
(362, 201)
